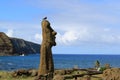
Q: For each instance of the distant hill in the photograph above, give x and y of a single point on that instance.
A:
(16, 46)
(6, 47)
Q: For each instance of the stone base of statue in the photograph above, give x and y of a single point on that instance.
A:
(45, 77)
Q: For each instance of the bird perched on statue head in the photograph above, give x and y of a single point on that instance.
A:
(44, 18)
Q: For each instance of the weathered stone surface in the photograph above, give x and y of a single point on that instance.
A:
(60, 72)
(111, 74)
(46, 59)
(33, 72)
(58, 77)
(86, 77)
(23, 72)
(20, 73)
(68, 71)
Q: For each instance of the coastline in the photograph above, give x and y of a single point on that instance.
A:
(9, 63)
(64, 64)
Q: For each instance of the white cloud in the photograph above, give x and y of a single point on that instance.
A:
(38, 37)
(75, 22)
(10, 33)
(67, 38)
(74, 36)
(111, 39)
(75, 10)
(86, 35)
(20, 29)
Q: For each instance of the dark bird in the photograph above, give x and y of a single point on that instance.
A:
(45, 18)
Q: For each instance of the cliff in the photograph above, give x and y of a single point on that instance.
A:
(21, 46)
(6, 47)
(16, 46)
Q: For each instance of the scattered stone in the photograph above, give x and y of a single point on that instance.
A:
(20, 72)
(86, 77)
(41, 77)
(60, 72)
(111, 74)
(44, 77)
(68, 71)
(58, 77)
(33, 72)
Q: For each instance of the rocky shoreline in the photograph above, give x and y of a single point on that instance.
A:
(64, 74)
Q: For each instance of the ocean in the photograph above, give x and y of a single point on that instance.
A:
(61, 61)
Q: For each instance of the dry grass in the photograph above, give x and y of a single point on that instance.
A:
(7, 76)
(96, 77)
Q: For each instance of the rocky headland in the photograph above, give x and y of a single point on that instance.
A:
(15, 46)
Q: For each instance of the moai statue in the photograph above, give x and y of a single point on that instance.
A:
(48, 40)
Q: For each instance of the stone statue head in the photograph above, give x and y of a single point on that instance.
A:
(49, 35)
(54, 37)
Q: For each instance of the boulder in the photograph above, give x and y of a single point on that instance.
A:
(58, 77)
(60, 72)
(20, 72)
(86, 77)
(111, 74)
(33, 72)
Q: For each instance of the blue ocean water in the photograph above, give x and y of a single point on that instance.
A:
(60, 61)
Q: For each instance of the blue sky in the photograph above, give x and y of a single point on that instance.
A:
(83, 26)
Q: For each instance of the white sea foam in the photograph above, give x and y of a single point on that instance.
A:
(10, 63)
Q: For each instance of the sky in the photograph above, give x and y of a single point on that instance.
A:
(82, 26)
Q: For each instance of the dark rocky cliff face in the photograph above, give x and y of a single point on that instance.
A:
(15, 46)
(6, 47)
(21, 46)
